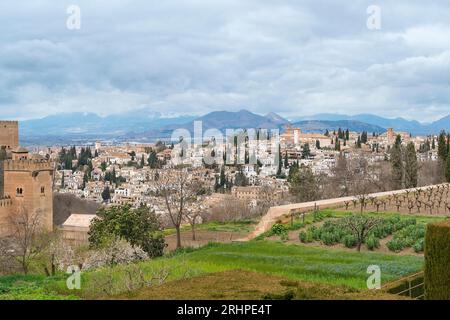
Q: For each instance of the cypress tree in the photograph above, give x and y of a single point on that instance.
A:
(397, 164)
(442, 146)
(447, 167)
(286, 160)
(280, 161)
(411, 166)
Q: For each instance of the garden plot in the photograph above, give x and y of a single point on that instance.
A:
(383, 232)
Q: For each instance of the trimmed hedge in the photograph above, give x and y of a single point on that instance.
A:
(437, 261)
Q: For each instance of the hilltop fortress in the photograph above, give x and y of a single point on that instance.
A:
(25, 181)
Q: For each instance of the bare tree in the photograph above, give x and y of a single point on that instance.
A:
(193, 218)
(179, 191)
(26, 236)
(360, 226)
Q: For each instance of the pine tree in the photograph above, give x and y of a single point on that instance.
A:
(304, 184)
(347, 135)
(411, 166)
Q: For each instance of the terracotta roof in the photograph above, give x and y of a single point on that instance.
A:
(79, 220)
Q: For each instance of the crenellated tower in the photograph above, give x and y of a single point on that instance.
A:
(25, 184)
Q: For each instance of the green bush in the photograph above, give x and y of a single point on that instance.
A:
(349, 241)
(302, 236)
(437, 261)
(278, 229)
(419, 246)
(372, 242)
(395, 245)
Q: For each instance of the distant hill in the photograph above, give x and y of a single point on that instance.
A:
(85, 125)
(244, 119)
(322, 125)
(145, 125)
(399, 124)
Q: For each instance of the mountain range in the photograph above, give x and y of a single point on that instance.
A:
(146, 125)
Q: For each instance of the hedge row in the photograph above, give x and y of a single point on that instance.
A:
(437, 261)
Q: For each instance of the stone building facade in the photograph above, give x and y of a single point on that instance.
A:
(26, 182)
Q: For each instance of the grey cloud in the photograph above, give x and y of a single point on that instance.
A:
(196, 56)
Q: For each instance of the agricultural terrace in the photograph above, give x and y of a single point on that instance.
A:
(394, 233)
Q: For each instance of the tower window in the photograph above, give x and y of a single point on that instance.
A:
(19, 191)
(42, 190)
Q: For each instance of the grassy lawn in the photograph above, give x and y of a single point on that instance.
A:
(244, 226)
(293, 262)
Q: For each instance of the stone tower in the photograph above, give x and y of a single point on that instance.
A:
(9, 134)
(26, 183)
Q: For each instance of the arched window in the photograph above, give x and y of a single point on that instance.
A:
(19, 191)
(42, 190)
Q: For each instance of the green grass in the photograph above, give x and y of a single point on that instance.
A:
(31, 287)
(242, 226)
(296, 262)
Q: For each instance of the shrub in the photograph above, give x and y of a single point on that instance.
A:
(372, 242)
(302, 236)
(396, 245)
(349, 241)
(278, 229)
(437, 261)
(115, 252)
(419, 245)
(328, 238)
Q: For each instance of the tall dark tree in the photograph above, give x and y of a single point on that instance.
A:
(411, 166)
(106, 194)
(447, 168)
(286, 160)
(397, 164)
(152, 160)
(442, 146)
(280, 161)
(304, 185)
(306, 151)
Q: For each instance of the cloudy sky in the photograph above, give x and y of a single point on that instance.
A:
(194, 56)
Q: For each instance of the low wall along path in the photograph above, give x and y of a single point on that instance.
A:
(274, 213)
